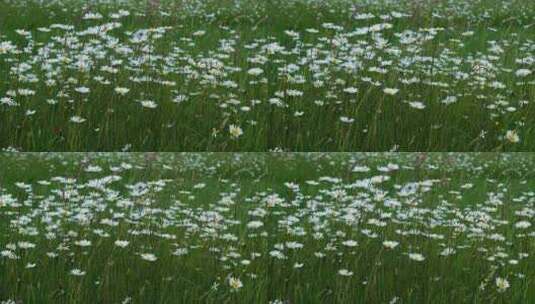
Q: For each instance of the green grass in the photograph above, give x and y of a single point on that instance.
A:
(445, 64)
(211, 223)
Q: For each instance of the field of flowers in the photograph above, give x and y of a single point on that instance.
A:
(265, 75)
(267, 228)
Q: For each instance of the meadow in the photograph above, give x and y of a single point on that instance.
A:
(267, 228)
(267, 75)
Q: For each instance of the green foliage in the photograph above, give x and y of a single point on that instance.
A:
(467, 51)
(203, 203)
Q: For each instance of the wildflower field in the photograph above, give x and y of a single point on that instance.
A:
(267, 228)
(264, 75)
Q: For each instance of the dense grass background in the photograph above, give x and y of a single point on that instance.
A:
(501, 35)
(114, 275)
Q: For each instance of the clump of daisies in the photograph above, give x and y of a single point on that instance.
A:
(77, 272)
(390, 91)
(418, 257)
(121, 243)
(235, 131)
(149, 257)
(390, 244)
(121, 90)
(512, 136)
(502, 284)
(523, 72)
(235, 283)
